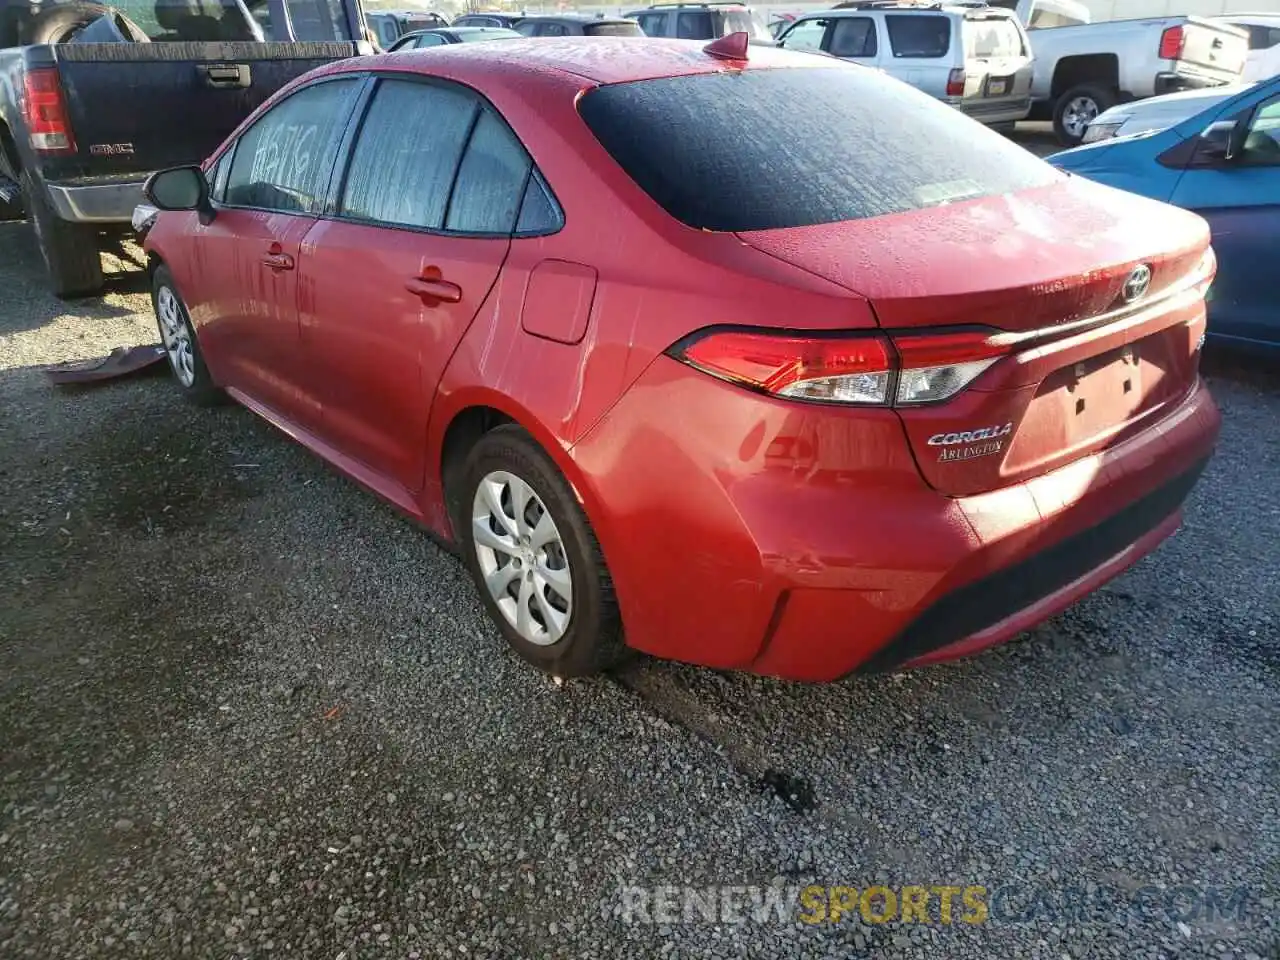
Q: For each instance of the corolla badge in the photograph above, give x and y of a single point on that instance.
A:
(1135, 288)
(970, 436)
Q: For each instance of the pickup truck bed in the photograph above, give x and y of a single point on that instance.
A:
(82, 125)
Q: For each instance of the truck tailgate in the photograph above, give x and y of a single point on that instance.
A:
(1214, 48)
(137, 107)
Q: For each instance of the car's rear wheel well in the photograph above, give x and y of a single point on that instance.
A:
(9, 153)
(1102, 69)
(463, 433)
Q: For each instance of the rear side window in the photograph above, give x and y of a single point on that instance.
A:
(651, 24)
(695, 25)
(407, 153)
(918, 37)
(491, 180)
(284, 160)
(853, 37)
(993, 37)
(826, 144)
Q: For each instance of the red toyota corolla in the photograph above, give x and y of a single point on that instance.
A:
(771, 364)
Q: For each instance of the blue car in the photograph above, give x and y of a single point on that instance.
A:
(1224, 164)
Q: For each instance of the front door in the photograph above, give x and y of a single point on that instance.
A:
(279, 172)
(1241, 200)
(422, 228)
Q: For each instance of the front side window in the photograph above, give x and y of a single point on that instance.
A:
(284, 160)
(919, 37)
(1262, 144)
(853, 37)
(827, 144)
(806, 35)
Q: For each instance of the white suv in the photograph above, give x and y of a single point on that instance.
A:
(974, 57)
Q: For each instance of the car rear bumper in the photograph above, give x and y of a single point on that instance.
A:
(111, 202)
(1173, 82)
(801, 542)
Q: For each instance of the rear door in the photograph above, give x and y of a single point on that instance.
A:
(420, 228)
(997, 62)
(921, 50)
(1241, 201)
(138, 107)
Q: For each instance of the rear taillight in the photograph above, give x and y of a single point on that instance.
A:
(868, 369)
(955, 82)
(45, 112)
(1171, 43)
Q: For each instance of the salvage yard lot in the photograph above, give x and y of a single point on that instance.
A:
(248, 710)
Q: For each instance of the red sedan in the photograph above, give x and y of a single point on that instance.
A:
(736, 356)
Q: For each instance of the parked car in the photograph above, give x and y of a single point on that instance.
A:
(1043, 14)
(95, 98)
(1264, 42)
(1157, 113)
(578, 25)
(1224, 164)
(1084, 69)
(388, 26)
(488, 19)
(447, 35)
(700, 21)
(977, 59)
(894, 417)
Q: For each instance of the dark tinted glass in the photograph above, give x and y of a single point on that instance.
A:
(552, 30)
(915, 36)
(283, 161)
(407, 153)
(694, 26)
(491, 180)
(853, 37)
(538, 212)
(613, 30)
(825, 144)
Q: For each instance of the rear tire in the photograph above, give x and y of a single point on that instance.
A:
(70, 250)
(1077, 108)
(540, 571)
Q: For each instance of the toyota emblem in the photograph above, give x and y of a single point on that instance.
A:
(1135, 288)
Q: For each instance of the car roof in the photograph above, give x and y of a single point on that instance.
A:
(906, 7)
(598, 59)
(661, 7)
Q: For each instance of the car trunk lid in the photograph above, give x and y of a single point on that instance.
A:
(1208, 48)
(1043, 272)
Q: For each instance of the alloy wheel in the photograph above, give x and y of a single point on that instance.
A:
(176, 333)
(1079, 113)
(522, 558)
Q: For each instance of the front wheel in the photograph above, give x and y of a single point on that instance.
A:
(179, 339)
(1077, 108)
(537, 563)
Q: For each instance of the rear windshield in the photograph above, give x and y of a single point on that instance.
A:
(612, 30)
(917, 36)
(765, 149)
(992, 37)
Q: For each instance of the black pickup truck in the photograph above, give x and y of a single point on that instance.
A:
(95, 98)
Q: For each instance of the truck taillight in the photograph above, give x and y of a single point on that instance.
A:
(955, 82)
(45, 112)
(866, 369)
(1171, 43)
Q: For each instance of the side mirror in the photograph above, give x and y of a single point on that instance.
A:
(1219, 143)
(180, 188)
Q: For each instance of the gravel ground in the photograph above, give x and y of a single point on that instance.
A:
(247, 710)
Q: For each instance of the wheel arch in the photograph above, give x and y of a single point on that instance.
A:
(1100, 68)
(461, 420)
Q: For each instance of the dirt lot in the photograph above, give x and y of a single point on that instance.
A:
(247, 710)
